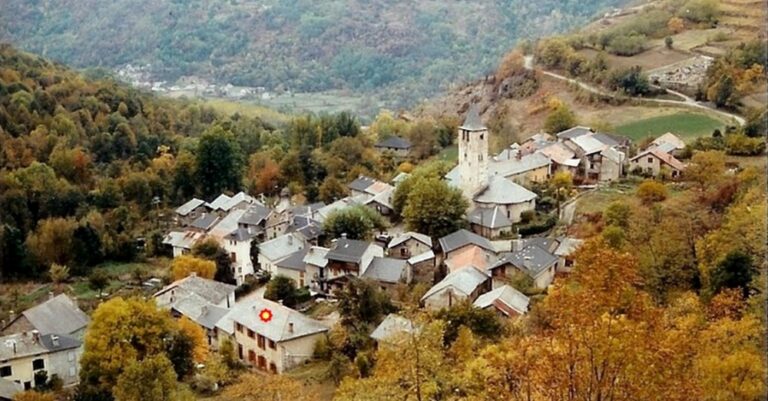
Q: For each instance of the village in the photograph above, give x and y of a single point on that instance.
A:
(487, 264)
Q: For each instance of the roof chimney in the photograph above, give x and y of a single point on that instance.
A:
(290, 239)
(344, 235)
(290, 327)
(193, 274)
(35, 335)
(55, 340)
(51, 295)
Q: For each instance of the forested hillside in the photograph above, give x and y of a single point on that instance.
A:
(411, 49)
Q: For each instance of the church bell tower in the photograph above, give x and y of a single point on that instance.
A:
(473, 153)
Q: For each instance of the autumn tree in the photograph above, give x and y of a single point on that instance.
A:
(332, 190)
(264, 173)
(617, 214)
(149, 379)
(282, 288)
(423, 137)
(559, 119)
(32, 395)
(210, 249)
(122, 333)
(676, 25)
(219, 162)
(410, 366)
(561, 184)
(734, 271)
(255, 387)
(434, 208)
(194, 332)
(650, 191)
(184, 265)
(52, 241)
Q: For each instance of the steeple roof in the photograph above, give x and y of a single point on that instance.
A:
(472, 121)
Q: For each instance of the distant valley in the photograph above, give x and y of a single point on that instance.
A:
(399, 52)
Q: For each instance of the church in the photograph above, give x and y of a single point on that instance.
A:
(495, 201)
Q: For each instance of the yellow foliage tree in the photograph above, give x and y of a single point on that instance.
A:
(121, 332)
(676, 25)
(32, 395)
(254, 387)
(185, 265)
(196, 333)
(151, 379)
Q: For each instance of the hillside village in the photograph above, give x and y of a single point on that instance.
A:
(581, 223)
(482, 264)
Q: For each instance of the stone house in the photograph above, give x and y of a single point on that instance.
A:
(409, 244)
(269, 336)
(24, 354)
(58, 315)
(505, 300)
(463, 285)
(397, 146)
(657, 163)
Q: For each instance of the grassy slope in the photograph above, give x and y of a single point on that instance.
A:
(686, 125)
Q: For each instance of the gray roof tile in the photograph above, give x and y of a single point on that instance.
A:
(59, 315)
(461, 238)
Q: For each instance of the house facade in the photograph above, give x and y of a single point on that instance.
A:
(409, 244)
(24, 354)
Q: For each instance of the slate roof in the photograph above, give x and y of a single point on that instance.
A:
(558, 152)
(242, 234)
(280, 247)
(212, 291)
(306, 227)
(503, 298)
(463, 280)
(58, 315)
(501, 191)
(383, 198)
(606, 139)
(574, 132)
(255, 214)
(424, 239)
(188, 207)
(361, 183)
(316, 256)
(394, 142)
(205, 221)
(286, 324)
(547, 244)
(294, 261)
(219, 202)
(472, 122)
(227, 225)
(493, 218)
(22, 345)
(182, 239)
(567, 246)
(348, 250)
(461, 238)
(532, 260)
(199, 310)
(430, 254)
(665, 147)
(514, 166)
(386, 270)
(588, 144)
(391, 325)
(225, 202)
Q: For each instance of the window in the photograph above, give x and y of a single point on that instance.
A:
(465, 155)
(479, 158)
(38, 364)
(251, 334)
(650, 160)
(260, 341)
(251, 356)
(72, 371)
(71, 356)
(5, 371)
(239, 327)
(272, 367)
(482, 136)
(240, 351)
(272, 344)
(233, 257)
(262, 362)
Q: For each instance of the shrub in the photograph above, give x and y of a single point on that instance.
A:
(537, 226)
(651, 191)
(527, 216)
(742, 145)
(627, 45)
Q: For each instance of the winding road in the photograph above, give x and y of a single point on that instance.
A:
(686, 102)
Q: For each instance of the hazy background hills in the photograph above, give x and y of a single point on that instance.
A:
(399, 50)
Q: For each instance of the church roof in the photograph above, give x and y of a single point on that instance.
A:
(501, 191)
(472, 121)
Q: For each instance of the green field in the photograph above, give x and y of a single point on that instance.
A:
(685, 125)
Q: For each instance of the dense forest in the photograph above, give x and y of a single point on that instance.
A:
(412, 49)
